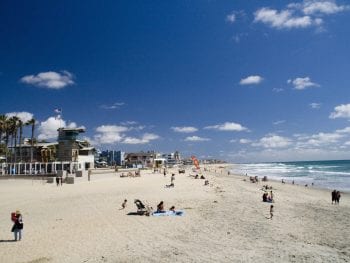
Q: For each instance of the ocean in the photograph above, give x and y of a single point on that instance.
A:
(323, 174)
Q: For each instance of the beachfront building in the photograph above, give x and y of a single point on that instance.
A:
(140, 159)
(112, 157)
(172, 159)
(68, 153)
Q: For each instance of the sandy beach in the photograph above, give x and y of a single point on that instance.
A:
(223, 222)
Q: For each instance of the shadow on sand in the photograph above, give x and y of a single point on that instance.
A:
(9, 240)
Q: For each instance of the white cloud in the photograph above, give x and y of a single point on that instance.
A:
(48, 129)
(273, 141)
(341, 111)
(299, 15)
(186, 129)
(50, 79)
(23, 116)
(231, 18)
(146, 138)
(283, 19)
(114, 106)
(244, 141)
(345, 130)
(110, 134)
(323, 139)
(111, 128)
(196, 139)
(302, 83)
(250, 80)
(227, 126)
(315, 105)
(279, 122)
(277, 90)
(327, 7)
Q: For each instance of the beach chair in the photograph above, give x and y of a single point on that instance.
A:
(142, 209)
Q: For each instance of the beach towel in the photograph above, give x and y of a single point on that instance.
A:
(170, 213)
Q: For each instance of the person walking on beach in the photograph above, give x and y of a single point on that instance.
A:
(17, 226)
(57, 181)
(334, 196)
(271, 212)
(172, 179)
(337, 197)
(124, 204)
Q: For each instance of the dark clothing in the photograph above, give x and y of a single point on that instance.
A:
(337, 197)
(334, 196)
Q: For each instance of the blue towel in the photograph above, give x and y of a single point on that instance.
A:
(170, 213)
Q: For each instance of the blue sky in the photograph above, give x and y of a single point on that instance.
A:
(243, 82)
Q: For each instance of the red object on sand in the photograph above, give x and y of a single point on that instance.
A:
(13, 216)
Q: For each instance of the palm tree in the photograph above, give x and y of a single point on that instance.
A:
(3, 121)
(20, 127)
(13, 130)
(31, 122)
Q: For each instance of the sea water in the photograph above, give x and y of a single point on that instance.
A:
(323, 174)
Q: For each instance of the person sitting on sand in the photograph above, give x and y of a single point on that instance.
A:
(202, 177)
(124, 204)
(206, 182)
(196, 177)
(172, 209)
(264, 197)
(160, 207)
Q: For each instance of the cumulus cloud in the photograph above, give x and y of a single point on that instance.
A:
(109, 134)
(244, 141)
(186, 129)
(320, 7)
(48, 129)
(299, 15)
(323, 139)
(146, 138)
(284, 19)
(227, 126)
(302, 83)
(196, 139)
(50, 79)
(22, 115)
(251, 80)
(341, 111)
(273, 141)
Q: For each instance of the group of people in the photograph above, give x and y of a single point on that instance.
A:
(335, 197)
(267, 198)
(160, 208)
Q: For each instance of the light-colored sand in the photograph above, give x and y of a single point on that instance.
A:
(223, 222)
